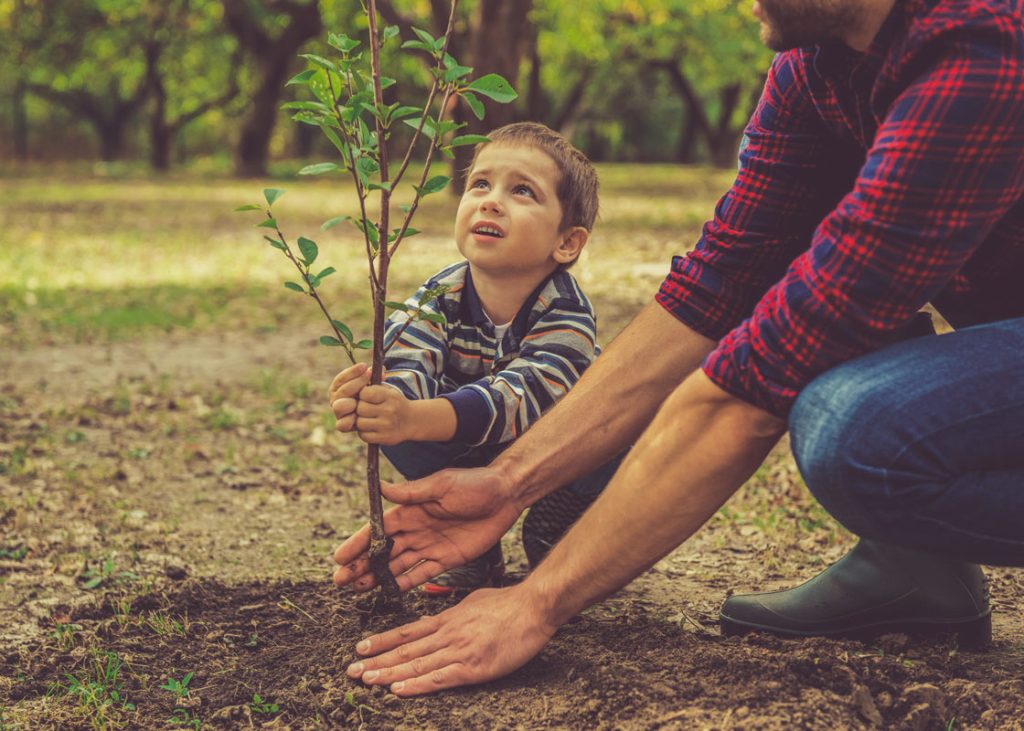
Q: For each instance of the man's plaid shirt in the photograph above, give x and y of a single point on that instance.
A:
(870, 185)
(498, 388)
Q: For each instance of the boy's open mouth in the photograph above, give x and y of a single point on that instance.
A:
(488, 229)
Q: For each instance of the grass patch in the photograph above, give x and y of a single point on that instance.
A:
(113, 256)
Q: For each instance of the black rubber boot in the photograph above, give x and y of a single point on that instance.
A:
(875, 589)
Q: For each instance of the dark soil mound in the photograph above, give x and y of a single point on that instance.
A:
(275, 653)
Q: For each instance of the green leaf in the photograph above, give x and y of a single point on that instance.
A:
(365, 167)
(320, 61)
(419, 46)
(469, 140)
(269, 223)
(248, 207)
(434, 317)
(424, 36)
(403, 112)
(405, 207)
(335, 140)
(475, 105)
(363, 344)
(309, 250)
(272, 194)
(401, 306)
(315, 119)
(435, 184)
(342, 42)
(343, 329)
(408, 233)
(294, 287)
(387, 82)
(276, 243)
(307, 107)
(390, 32)
(379, 186)
(494, 87)
(332, 222)
(318, 168)
(326, 273)
(302, 77)
(455, 73)
(330, 341)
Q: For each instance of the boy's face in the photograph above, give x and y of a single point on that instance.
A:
(509, 217)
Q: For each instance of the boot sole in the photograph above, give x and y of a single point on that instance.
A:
(972, 634)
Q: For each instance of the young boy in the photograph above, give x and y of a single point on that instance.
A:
(517, 333)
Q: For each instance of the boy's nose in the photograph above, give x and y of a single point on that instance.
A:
(490, 204)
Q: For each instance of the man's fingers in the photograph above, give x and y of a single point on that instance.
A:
(354, 546)
(427, 674)
(385, 641)
(417, 491)
(424, 571)
(450, 676)
(394, 664)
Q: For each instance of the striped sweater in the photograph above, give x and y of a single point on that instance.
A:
(498, 389)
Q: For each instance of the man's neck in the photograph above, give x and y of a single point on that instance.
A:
(502, 296)
(875, 14)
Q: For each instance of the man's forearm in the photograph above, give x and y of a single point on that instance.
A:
(608, 409)
(701, 447)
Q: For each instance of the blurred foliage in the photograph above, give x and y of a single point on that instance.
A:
(614, 74)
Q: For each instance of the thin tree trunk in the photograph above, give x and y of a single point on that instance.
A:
(19, 126)
(501, 30)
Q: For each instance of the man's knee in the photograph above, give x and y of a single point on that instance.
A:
(836, 449)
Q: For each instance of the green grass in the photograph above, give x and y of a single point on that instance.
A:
(120, 257)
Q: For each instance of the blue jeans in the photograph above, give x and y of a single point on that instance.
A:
(921, 444)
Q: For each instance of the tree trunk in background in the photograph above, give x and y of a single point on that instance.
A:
(19, 123)
(500, 35)
(686, 151)
(275, 57)
(160, 136)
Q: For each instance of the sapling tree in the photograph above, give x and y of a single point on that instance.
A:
(349, 107)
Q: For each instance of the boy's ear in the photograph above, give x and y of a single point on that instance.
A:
(571, 245)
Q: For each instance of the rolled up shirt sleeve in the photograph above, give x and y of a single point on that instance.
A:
(792, 171)
(945, 166)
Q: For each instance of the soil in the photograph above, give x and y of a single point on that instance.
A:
(170, 507)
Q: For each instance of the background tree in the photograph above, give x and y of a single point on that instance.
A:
(271, 35)
(186, 71)
(90, 58)
(492, 36)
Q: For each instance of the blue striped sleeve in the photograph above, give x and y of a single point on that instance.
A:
(415, 357)
(556, 350)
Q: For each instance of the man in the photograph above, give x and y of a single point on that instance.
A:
(884, 169)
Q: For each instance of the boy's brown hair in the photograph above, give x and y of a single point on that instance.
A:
(577, 186)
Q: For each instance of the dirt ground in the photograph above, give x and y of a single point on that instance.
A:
(168, 509)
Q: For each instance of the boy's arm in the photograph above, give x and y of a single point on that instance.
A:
(553, 356)
(415, 352)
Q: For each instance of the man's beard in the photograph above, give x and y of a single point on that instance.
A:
(795, 23)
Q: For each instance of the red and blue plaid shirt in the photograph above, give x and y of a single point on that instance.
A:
(869, 185)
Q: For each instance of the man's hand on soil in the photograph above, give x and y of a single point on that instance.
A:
(441, 522)
(490, 634)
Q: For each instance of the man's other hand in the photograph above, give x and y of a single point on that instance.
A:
(490, 634)
(441, 522)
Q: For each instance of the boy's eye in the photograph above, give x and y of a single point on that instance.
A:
(480, 183)
(524, 190)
